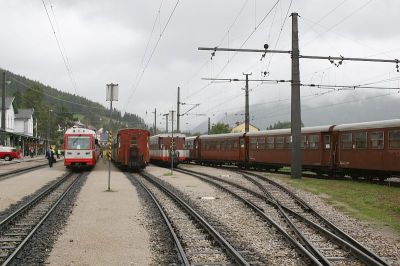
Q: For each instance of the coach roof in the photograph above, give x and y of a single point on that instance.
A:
(288, 131)
(368, 125)
(227, 135)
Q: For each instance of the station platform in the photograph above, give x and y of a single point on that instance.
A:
(105, 227)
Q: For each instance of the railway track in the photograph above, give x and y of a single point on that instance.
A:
(18, 228)
(327, 243)
(197, 241)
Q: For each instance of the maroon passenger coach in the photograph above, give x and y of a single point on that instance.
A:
(369, 150)
(131, 149)
(161, 146)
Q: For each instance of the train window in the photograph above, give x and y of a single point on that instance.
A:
(313, 141)
(327, 142)
(78, 143)
(261, 143)
(270, 142)
(361, 140)
(394, 139)
(253, 143)
(235, 145)
(218, 146)
(376, 140)
(229, 145)
(288, 142)
(279, 142)
(133, 142)
(346, 141)
(303, 142)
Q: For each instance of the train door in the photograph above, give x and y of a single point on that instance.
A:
(326, 149)
(242, 149)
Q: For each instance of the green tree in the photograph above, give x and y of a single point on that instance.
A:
(281, 125)
(220, 128)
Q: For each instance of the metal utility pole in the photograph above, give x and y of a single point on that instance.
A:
(166, 123)
(246, 115)
(172, 143)
(111, 95)
(295, 102)
(155, 121)
(178, 114)
(209, 126)
(3, 111)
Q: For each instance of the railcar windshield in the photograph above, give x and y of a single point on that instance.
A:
(78, 142)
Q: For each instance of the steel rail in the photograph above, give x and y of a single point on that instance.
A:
(260, 211)
(178, 244)
(360, 254)
(43, 219)
(217, 236)
(331, 226)
(34, 200)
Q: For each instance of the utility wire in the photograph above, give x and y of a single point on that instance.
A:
(64, 58)
(151, 55)
(248, 37)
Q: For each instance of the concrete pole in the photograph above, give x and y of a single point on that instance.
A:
(178, 113)
(209, 126)
(295, 102)
(246, 115)
(3, 111)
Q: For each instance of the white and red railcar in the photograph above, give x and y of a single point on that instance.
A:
(80, 148)
(160, 149)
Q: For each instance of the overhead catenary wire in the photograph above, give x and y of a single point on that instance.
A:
(63, 55)
(244, 42)
(151, 55)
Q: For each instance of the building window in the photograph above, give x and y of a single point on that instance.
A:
(394, 139)
(346, 141)
(361, 140)
(376, 140)
(270, 142)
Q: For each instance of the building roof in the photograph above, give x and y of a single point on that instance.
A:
(24, 113)
(9, 101)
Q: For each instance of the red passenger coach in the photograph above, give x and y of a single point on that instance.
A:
(223, 149)
(131, 149)
(369, 149)
(160, 149)
(271, 149)
(80, 148)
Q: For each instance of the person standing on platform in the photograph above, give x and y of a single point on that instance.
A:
(50, 156)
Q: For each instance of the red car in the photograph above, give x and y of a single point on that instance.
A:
(9, 153)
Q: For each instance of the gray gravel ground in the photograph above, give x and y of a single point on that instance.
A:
(238, 224)
(161, 244)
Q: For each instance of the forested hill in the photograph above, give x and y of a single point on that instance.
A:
(64, 107)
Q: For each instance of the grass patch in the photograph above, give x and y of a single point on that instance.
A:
(368, 202)
(167, 174)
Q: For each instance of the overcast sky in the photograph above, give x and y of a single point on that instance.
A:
(106, 41)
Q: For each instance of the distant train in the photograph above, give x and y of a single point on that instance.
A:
(80, 148)
(130, 149)
(369, 150)
(160, 149)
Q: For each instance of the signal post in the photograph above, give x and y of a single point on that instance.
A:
(111, 95)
